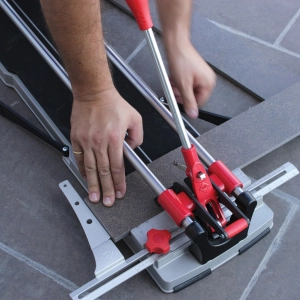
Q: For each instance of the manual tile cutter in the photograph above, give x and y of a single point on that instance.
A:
(219, 219)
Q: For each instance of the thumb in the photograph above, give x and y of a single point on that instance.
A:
(189, 102)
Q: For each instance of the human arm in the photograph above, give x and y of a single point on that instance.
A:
(191, 77)
(100, 116)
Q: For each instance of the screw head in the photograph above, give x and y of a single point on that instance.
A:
(201, 175)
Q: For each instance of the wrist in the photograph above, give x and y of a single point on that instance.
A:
(90, 93)
(176, 45)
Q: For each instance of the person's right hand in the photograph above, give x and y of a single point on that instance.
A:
(98, 127)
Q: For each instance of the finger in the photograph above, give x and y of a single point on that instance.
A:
(79, 157)
(90, 166)
(202, 96)
(105, 177)
(117, 168)
(135, 132)
(189, 102)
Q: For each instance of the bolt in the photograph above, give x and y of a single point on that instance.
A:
(201, 175)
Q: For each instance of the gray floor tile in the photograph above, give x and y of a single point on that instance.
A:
(235, 56)
(262, 19)
(291, 63)
(37, 218)
(287, 153)
(291, 39)
(20, 281)
(257, 131)
(280, 277)
(120, 30)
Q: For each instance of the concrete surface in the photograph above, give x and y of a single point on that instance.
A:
(44, 253)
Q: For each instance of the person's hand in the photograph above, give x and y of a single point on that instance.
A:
(191, 77)
(98, 127)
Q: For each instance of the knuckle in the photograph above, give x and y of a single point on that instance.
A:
(117, 170)
(97, 138)
(104, 172)
(90, 168)
(93, 186)
(114, 137)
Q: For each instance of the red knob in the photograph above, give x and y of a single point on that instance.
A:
(158, 241)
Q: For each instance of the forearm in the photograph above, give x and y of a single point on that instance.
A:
(175, 18)
(76, 29)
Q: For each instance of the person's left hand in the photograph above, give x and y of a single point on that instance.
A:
(191, 77)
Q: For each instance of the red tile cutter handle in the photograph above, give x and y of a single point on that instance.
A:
(204, 191)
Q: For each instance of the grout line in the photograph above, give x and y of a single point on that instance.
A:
(250, 37)
(287, 28)
(272, 249)
(67, 284)
(136, 51)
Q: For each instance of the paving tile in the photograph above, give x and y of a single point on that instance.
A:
(20, 281)
(280, 278)
(291, 39)
(262, 19)
(286, 153)
(114, 23)
(37, 218)
(234, 56)
(256, 132)
(289, 62)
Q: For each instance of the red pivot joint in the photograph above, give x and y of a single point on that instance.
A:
(158, 241)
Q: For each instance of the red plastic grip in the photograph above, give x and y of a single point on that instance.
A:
(236, 227)
(225, 175)
(141, 12)
(170, 202)
(158, 241)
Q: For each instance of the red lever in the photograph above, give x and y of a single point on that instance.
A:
(141, 12)
(158, 241)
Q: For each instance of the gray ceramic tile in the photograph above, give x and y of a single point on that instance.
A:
(256, 132)
(262, 19)
(37, 218)
(280, 278)
(282, 58)
(234, 56)
(286, 153)
(120, 30)
(20, 281)
(291, 39)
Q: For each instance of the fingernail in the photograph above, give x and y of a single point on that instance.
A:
(119, 195)
(107, 201)
(192, 113)
(94, 197)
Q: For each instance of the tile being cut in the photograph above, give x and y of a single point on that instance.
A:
(238, 142)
